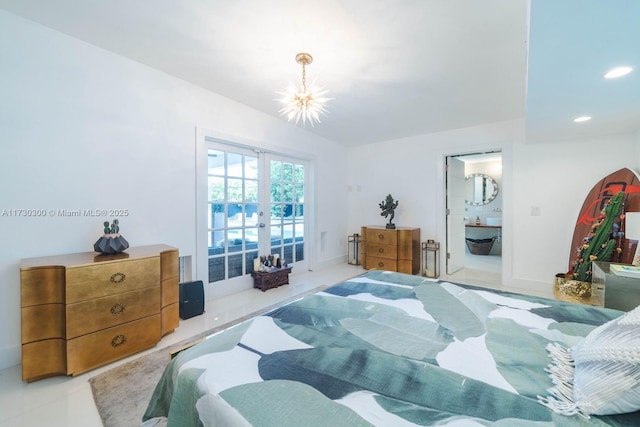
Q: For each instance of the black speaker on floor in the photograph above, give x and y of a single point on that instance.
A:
(191, 299)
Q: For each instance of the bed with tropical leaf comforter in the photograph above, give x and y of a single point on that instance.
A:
(383, 349)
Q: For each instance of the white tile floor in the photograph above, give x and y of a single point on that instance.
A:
(486, 271)
(68, 401)
(482, 270)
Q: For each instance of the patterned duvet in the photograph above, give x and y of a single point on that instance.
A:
(383, 349)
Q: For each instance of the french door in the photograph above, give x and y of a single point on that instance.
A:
(256, 205)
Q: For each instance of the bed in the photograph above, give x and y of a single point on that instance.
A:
(384, 349)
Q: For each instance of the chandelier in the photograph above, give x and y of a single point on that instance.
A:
(305, 102)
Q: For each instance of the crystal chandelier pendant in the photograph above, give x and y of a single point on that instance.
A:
(306, 103)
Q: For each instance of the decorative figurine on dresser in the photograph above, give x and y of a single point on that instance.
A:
(84, 310)
(390, 248)
(388, 207)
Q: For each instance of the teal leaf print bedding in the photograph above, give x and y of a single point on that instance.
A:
(381, 349)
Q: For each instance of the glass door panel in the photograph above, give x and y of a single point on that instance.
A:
(256, 207)
(233, 220)
(287, 209)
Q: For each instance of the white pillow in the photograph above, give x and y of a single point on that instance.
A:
(601, 374)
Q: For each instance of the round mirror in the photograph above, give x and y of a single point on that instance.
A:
(480, 189)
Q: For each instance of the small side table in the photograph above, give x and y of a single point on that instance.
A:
(620, 293)
(264, 280)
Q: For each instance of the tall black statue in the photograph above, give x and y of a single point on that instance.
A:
(388, 207)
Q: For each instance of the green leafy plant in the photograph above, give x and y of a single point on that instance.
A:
(600, 243)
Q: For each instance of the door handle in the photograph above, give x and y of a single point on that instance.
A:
(261, 225)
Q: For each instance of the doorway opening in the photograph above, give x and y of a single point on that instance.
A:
(474, 218)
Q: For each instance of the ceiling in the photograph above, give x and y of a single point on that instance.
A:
(393, 68)
(573, 43)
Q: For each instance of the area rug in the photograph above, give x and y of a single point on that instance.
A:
(122, 393)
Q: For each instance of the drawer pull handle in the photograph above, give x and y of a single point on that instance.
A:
(118, 309)
(381, 264)
(381, 236)
(118, 341)
(118, 278)
(381, 250)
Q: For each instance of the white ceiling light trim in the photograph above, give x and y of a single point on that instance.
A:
(614, 73)
(582, 119)
(306, 102)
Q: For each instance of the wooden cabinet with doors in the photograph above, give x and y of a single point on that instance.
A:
(80, 311)
(391, 249)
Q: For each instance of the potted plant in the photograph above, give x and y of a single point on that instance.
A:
(111, 241)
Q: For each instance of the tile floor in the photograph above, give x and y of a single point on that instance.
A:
(68, 401)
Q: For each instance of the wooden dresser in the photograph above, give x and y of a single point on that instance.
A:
(84, 310)
(391, 249)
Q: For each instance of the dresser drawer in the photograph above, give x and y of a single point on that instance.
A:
(41, 286)
(93, 350)
(95, 281)
(100, 313)
(382, 251)
(381, 263)
(43, 359)
(383, 236)
(41, 322)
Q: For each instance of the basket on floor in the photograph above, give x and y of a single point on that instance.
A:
(480, 246)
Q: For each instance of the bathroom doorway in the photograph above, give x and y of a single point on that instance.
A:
(474, 218)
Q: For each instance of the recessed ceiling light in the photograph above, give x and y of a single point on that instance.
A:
(614, 73)
(582, 119)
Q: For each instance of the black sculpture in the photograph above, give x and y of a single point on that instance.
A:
(388, 207)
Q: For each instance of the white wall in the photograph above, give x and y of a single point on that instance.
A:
(412, 170)
(82, 128)
(555, 177)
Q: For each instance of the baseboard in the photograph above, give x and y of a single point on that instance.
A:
(530, 287)
(342, 259)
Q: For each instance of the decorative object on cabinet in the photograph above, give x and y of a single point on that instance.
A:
(273, 278)
(625, 270)
(393, 250)
(431, 258)
(81, 311)
(111, 242)
(353, 249)
(266, 263)
(480, 189)
(388, 207)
